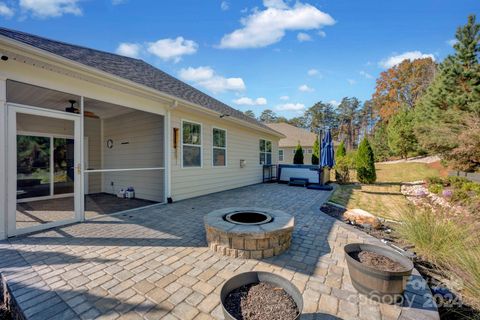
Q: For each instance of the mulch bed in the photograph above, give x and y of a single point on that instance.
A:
(377, 261)
(261, 301)
(387, 231)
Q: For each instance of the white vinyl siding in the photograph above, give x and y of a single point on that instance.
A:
(137, 143)
(242, 144)
(219, 149)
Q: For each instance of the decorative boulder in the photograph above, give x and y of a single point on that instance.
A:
(362, 217)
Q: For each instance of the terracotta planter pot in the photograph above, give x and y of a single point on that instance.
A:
(255, 277)
(382, 286)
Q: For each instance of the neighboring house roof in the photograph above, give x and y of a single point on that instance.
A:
(293, 135)
(130, 69)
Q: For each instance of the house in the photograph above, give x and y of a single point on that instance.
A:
(293, 137)
(82, 130)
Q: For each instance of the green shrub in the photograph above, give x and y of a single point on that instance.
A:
(435, 237)
(341, 150)
(434, 180)
(435, 188)
(316, 153)
(298, 157)
(456, 182)
(473, 187)
(460, 196)
(342, 170)
(365, 163)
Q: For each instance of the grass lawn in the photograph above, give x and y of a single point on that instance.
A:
(383, 198)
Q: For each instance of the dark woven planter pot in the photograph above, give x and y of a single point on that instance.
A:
(255, 277)
(382, 286)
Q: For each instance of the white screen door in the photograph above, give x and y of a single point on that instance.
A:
(44, 180)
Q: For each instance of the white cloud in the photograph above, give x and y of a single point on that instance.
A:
(305, 88)
(322, 33)
(409, 55)
(224, 6)
(129, 49)
(451, 42)
(207, 78)
(291, 107)
(51, 8)
(351, 81)
(284, 98)
(265, 27)
(334, 103)
(277, 4)
(197, 74)
(302, 37)
(366, 74)
(6, 11)
(245, 101)
(172, 49)
(312, 72)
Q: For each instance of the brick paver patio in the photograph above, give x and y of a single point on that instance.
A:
(154, 263)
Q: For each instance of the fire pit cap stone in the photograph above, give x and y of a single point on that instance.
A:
(249, 232)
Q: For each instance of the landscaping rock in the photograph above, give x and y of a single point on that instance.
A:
(362, 217)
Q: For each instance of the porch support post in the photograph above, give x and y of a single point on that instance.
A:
(168, 155)
(82, 160)
(3, 157)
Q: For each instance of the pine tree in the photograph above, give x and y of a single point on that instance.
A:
(316, 152)
(452, 102)
(365, 163)
(401, 138)
(298, 157)
(380, 142)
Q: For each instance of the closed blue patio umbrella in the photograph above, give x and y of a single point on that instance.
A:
(327, 158)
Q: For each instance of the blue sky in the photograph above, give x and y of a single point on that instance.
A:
(281, 55)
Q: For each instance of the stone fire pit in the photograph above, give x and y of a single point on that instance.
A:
(246, 233)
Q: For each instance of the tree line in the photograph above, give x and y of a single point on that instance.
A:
(418, 107)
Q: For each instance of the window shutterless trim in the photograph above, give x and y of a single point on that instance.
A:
(265, 152)
(221, 148)
(191, 145)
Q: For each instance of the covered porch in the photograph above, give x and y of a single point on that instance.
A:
(71, 157)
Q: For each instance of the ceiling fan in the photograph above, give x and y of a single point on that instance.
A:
(73, 109)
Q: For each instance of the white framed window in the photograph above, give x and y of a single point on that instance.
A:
(219, 147)
(265, 151)
(309, 151)
(280, 154)
(191, 144)
(294, 150)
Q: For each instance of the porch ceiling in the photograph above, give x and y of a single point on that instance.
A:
(26, 94)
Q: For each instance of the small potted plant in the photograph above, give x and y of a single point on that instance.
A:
(260, 295)
(378, 272)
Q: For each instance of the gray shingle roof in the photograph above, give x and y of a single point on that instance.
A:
(128, 68)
